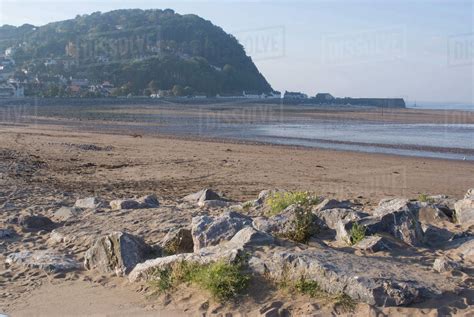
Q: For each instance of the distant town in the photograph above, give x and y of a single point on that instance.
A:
(20, 84)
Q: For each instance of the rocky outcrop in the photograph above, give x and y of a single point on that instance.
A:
(332, 204)
(36, 223)
(391, 205)
(464, 209)
(328, 218)
(149, 201)
(178, 241)
(45, 260)
(117, 253)
(6, 233)
(208, 231)
(400, 222)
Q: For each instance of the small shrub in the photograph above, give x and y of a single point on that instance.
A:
(161, 281)
(425, 199)
(346, 303)
(304, 226)
(280, 201)
(308, 287)
(246, 206)
(357, 233)
(222, 280)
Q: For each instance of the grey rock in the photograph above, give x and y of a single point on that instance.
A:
(401, 224)
(469, 194)
(214, 204)
(209, 231)
(444, 265)
(6, 233)
(264, 194)
(89, 203)
(36, 223)
(227, 252)
(330, 217)
(251, 237)
(332, 204)
(178, 241)
(435, 236)
(66, 213)
(45, 260)
(149, 201)
(464, 211)
(431, 215)
(373, 244)
(203, 195)
(117, 253)
(391, 205)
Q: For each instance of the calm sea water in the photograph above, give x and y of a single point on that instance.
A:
(441, 106)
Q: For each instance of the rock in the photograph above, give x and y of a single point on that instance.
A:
(36, 223)
(89, 203)
(117, 253)
(251, 237)
(464, 210)
(264, 194)
(227, 252)
(214, 204)
(373, 244)
(362, 278)
(178, 241)
(434, 236)
(441, 265)
(149, 201)
(469, 194)
(401, 224)
(66, 213)
(119, 204)
(390, 205)
(332, 204)
(203, 195)
(209, 231)
(6, 233)
(45, 260)
(431, 215)
(463, 247)
(330, 217)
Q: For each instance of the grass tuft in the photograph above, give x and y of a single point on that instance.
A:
(346, 303)
(278, 202)
(304, 226)
(425, 199)
(357, 233)
(308, 287)
(223, 280)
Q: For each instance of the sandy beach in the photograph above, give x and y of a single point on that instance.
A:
(46, 166)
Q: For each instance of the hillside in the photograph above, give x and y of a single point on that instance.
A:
(137, 51)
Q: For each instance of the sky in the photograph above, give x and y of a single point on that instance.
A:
(417, 50)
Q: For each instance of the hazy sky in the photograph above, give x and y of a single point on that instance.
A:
(418, 50)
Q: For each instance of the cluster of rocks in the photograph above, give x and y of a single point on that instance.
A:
(232, 235)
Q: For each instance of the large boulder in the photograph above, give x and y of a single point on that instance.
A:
(442, 265)
(47, 260)
(373, 244)
(391, 205)
(464, 209)
(401, 224)
(36, 223)
(431, 214)
(149, 201)
(329, 218)
(117, 253)
(178, 241)
(332, 204)
(209, 231)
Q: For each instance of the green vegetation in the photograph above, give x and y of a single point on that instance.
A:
(425, 198)
(246, 206)
(346, 303)
(139, 51)
(357, 233)
(280, 201)
(223, 281)
(308, 287)
(304, 226)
